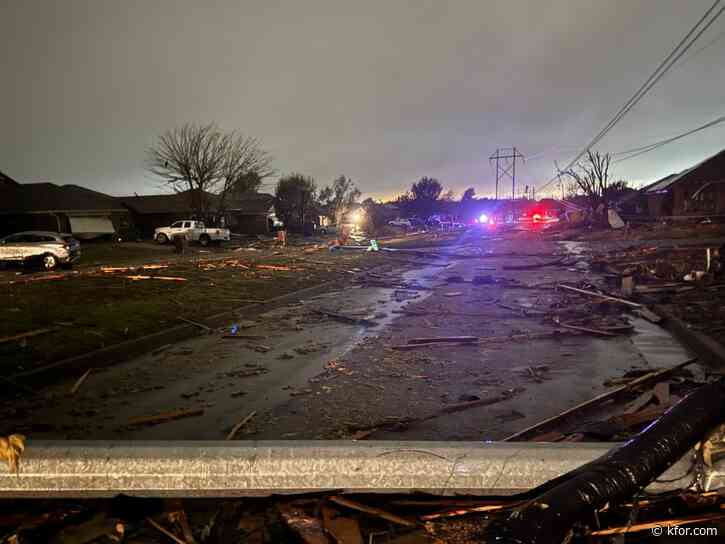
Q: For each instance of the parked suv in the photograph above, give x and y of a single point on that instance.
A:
(45, 249)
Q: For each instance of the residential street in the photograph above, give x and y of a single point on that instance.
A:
(305, 375)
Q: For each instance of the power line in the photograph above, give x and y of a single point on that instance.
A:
(637, 151)
(679, 50)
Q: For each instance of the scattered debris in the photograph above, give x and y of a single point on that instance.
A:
(80, 381)
(166, 416)
(239, 425)
(647, 378)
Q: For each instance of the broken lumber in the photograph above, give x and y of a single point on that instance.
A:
(600, 295)
(444, 339)
(28, 334)
(619, 474)
(274, 267)
(80, 381)
(346, 318)
(196, 324)
(659, 524)
(239, 425)
(647, 378)
(587, 329)
(461, 406)
(165, 416)
(648, 314)
(343, 501)
(533, 266)
(137, 277)
(164, 531)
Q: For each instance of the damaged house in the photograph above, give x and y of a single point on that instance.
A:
(250, 213)
(61, 208)
(698, 191)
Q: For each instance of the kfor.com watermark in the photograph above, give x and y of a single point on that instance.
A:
(682, 530)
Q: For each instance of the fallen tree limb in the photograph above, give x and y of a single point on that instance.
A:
(642, 380)
(616, 476)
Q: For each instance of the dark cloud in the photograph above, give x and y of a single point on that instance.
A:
(383, 91)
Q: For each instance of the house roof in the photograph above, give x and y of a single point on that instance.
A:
(251, 203)
(666, 183)
(6, 180)
(150, 204)
(49, 197)
(247, 203)
(662, 184)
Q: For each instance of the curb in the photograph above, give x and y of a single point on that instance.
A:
(84, 469)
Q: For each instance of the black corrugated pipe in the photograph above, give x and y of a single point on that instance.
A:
(616, 476)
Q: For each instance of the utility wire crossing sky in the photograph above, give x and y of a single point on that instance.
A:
(383, 92)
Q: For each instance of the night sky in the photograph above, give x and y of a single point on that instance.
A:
(382, 91)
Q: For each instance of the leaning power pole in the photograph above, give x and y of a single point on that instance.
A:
(506, 158)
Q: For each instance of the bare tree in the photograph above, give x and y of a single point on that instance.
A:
(190, 158)
(592, 177)
(244, 167)
(201, 159)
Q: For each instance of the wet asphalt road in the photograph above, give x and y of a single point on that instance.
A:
(309, 376)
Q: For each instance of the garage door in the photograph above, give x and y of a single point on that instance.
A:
(91, 227)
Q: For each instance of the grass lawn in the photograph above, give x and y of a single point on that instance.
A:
(90, 309)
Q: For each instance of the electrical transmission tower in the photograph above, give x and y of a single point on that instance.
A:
(506, 158)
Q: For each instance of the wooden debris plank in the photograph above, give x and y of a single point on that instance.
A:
(534, 265)
(309, 529)
(165, 531)
(599, 295)
(445, 339)
(343, 501)
(28, 334)
(274, 267)
(196, 324)
(345, 318)
(165, 416)
(239, 425)
(587, 329)
(647, 378)
(80, 381)
(640, 402)
(662, 392)
(660, 524)
(648, 314)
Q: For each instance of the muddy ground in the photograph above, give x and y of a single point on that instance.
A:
(306, 375)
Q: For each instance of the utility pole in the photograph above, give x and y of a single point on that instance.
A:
(506, 158)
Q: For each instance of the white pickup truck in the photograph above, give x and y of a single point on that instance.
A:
(194, 231)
